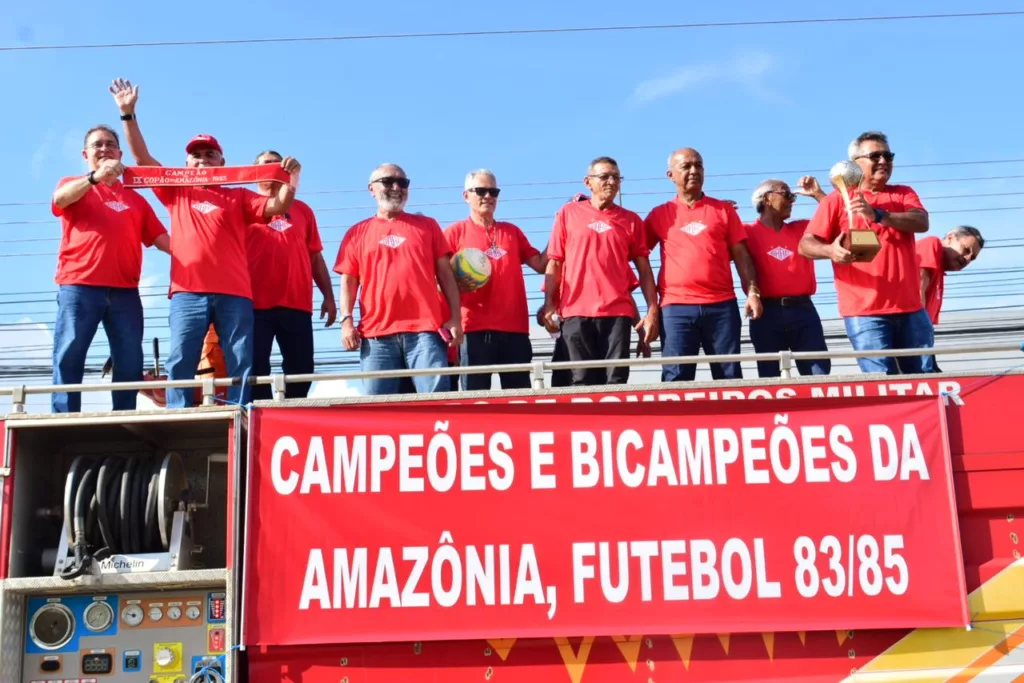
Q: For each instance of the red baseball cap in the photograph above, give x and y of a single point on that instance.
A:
(203, 141)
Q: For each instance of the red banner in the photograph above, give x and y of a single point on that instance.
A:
(162, 176)
(389, 523)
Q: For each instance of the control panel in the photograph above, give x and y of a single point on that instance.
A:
(161, 637)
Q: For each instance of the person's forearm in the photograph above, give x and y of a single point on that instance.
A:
(907, 221)
(552, 283)
(347, 294)
(137, 144)
(280, 201)
(321, 276)
(813, 248)
(70, 192)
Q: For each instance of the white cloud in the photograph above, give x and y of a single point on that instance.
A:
(744, 70)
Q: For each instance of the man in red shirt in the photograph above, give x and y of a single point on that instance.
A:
(588, 277)
(935, 257)
(790, 322)
(285, 258)
(396, 260)
(699, 237)
(209, 262)
(495, 319)
(99, 263)
(880, 300)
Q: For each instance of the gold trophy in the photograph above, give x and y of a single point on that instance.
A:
(863, 242)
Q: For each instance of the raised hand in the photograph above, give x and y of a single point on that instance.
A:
(109, 171)
(808, 186)
(125, 94)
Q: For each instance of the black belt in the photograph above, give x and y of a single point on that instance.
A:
(788, 301)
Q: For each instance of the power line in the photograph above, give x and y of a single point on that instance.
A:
(512, 32)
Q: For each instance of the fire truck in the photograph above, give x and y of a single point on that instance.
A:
(846, 528)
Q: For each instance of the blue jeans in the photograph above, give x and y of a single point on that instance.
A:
(795, 327)
(685, 328)
(896, 331)
(190, 318)
(405, 350)
(294, 332)
(80, 310)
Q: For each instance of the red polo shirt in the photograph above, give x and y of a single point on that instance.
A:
(102, 236)
(595, 247)
(929, 254)
(394, 261)
(500, 305)
(209, 228)
(781, 270)
(279, 259)
(890, 283)
(695, 257)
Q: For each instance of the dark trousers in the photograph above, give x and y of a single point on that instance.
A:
(560, 354)
(789, 324)
(495, 348)
(686, 328)
(598, 339)
(293, 330)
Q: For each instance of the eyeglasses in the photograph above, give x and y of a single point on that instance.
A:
(104, 145)
(785, 194)
(484, 191)
(606, 177)
(390, 181)
(877, 156)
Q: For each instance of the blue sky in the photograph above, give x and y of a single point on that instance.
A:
(535, 109)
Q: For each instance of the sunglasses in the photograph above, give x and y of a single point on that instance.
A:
(389, 181)
(784, 194)
(877, 156)
(484, 191)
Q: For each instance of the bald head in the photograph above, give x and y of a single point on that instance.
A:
(686, 169)
(684, 153)
(385, 170)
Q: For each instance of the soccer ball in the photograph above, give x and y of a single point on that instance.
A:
(472, 264)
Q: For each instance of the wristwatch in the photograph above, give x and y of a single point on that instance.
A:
(344, 318)
(880, 215)
(92, 178)
(127, 117)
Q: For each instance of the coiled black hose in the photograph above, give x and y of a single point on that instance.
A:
(111, 507)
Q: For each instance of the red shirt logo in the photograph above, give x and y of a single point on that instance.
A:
(780, 253)
(117, 206)
(694, 229)
(205, 207)
(599, 227)
(393, 241)
(495, 253)
(279, 224)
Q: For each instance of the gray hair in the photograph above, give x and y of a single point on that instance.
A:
(473, 175)
(757, 199)
(871, 136)
(379, 172)
(968, 231)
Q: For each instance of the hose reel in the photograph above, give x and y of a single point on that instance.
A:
(124, 514)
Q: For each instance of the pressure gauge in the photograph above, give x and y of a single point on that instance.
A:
(174, 613)
(155, 614)
(132, 615)
(192, 612)
(99, 616)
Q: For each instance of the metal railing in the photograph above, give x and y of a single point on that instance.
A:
(209, 385)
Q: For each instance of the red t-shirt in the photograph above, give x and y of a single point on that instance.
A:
(781, 270)
(595, 247)
(890, 283)
(500, 305)
(929, 254)
(695, 257)
(394, 262)
(102, 234)
(279, 259)
(208, 237)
